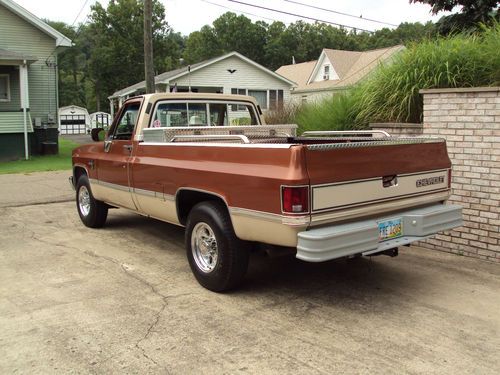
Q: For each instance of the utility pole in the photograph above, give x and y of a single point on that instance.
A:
(148, 47)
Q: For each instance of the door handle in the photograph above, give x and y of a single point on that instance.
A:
(128, 148)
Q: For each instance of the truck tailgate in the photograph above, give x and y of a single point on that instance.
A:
(345, 175)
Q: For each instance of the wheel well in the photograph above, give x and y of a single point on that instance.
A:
(187, 199)
(77, 172)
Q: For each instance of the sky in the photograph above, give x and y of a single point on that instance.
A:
(186, 16)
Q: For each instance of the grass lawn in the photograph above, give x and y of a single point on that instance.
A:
(42, 163)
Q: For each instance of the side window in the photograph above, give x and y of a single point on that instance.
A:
(125, 126)
(246, 116)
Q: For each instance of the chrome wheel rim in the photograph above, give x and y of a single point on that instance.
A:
(84, 200)
(204, 247)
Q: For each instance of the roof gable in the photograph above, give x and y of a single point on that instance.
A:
(203, 64)
(350, 66)
(316, 75)
(167, 77)
(61, 40)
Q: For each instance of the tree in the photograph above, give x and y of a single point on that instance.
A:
(71, 68)
(202, 45)
(116, 42)
(238, 33)
(472, 13)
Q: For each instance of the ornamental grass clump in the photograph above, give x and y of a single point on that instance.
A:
(337, 112)
(391, 92)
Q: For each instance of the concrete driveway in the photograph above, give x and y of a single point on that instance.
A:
(122, 300)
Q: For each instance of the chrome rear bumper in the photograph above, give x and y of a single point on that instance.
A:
(362, 237)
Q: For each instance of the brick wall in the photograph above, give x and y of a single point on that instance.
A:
(469, 120)
(399, 129)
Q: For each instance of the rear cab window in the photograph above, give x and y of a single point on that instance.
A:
(175, 113)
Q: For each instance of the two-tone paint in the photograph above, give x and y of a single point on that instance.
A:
(344, 183)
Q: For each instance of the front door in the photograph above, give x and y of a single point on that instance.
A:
(113, 169)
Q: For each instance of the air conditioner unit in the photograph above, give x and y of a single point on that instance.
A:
(51, 119)
(326, 77)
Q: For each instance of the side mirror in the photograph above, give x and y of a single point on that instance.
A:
(98, 134)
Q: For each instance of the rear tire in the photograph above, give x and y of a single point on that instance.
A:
(92, 212)
(218, 259)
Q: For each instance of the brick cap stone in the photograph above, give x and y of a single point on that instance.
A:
(460, 89)
(405, 125)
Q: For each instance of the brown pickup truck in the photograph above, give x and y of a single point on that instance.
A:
(209, 163)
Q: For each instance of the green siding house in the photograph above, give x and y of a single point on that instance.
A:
(28, 81)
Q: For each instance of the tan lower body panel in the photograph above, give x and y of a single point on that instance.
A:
(109, 193)
(252, 225)
(248, 225)
(262, 227)
(158, 208)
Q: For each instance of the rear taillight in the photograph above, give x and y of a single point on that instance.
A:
(295, 199)
(449, 178)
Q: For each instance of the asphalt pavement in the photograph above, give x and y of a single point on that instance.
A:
(122, 300)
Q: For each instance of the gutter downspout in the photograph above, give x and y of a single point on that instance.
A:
(23, 78)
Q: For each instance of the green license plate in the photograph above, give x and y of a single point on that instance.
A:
(389, 229)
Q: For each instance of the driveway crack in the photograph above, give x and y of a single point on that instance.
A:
(152, 287)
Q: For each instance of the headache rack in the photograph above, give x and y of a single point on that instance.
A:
(258, 134)
(238, 134)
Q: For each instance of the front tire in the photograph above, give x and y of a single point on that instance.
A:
(92, 212)
(218, 259)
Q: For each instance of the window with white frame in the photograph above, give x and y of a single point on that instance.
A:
(260, 96)
(326, 74)
(238, 92)
(4, 88)
(276, 99)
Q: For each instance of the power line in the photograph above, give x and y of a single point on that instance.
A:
(299, 16)
(341, 13)
(77, 33)
(235, 10)
(80, 12)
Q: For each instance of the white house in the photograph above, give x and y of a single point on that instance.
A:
(333, 71)
(73, 120)
(232, 73)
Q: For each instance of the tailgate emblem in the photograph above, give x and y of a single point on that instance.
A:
(430, 181)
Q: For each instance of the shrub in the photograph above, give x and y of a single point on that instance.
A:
(285, 115)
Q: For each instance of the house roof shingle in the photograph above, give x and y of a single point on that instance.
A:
(351, 66)
(298, 73)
